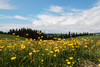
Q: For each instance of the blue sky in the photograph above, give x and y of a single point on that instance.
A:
(44, 13)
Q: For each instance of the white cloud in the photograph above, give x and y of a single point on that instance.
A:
(76, 10)
(20, 17)
(84, 21)
(15, 17)
(4, 4)
(57, 9)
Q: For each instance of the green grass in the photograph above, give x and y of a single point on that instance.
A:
(10, 37)
(20, 48)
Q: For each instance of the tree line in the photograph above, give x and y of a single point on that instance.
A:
(36, 34)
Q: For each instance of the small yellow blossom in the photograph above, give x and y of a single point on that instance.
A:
(26, 39)
(68, 62)
(38, 37)
(77, 46)
(13, 33)
(46, 49)
(40, 33)
(73, 62)
(70, 58)
(85, 45)
(78, 59)
(42, 54)
(30, 53)
(99, 65)
(27, 34)
(22, 46)
(51, 52)
(30, 39)
(41, 36)
(70, 44)
(66, 59)
(0, 49)
(17, 35)
(54, 55)
(42, 60)
(99, 60)
(13, 58)
(57, 50)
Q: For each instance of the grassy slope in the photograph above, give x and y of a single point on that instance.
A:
(10, 37)
(93, 37)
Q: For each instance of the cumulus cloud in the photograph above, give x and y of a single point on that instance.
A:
(83, 21)
(4, 4)
(54, 8)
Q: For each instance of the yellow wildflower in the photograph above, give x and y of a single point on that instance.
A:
(51, 52)
(22, 46)
(27, 34)
(46, 49)
(99, 65)
(70, 44)
(41, 36)
(13, 33)
(34, 51)
(57, 50)
(30, 39)
(42, 54)
(78, 59)
(54, 55)
(9, 46)
(42, 60)
(26, 39)
(73, 62)
(99, 60)
(17, 35)
(66, 59)
(68, 62)
(30, 53)
(85, 45)
(0, 49)
(40, 33)
(38, 37)
(70, 58)
(13, 58)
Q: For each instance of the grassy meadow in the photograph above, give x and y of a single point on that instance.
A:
(81, 51)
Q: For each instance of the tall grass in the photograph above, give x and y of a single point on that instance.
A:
(76, 52)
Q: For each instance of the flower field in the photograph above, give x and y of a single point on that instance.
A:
(74, 52)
